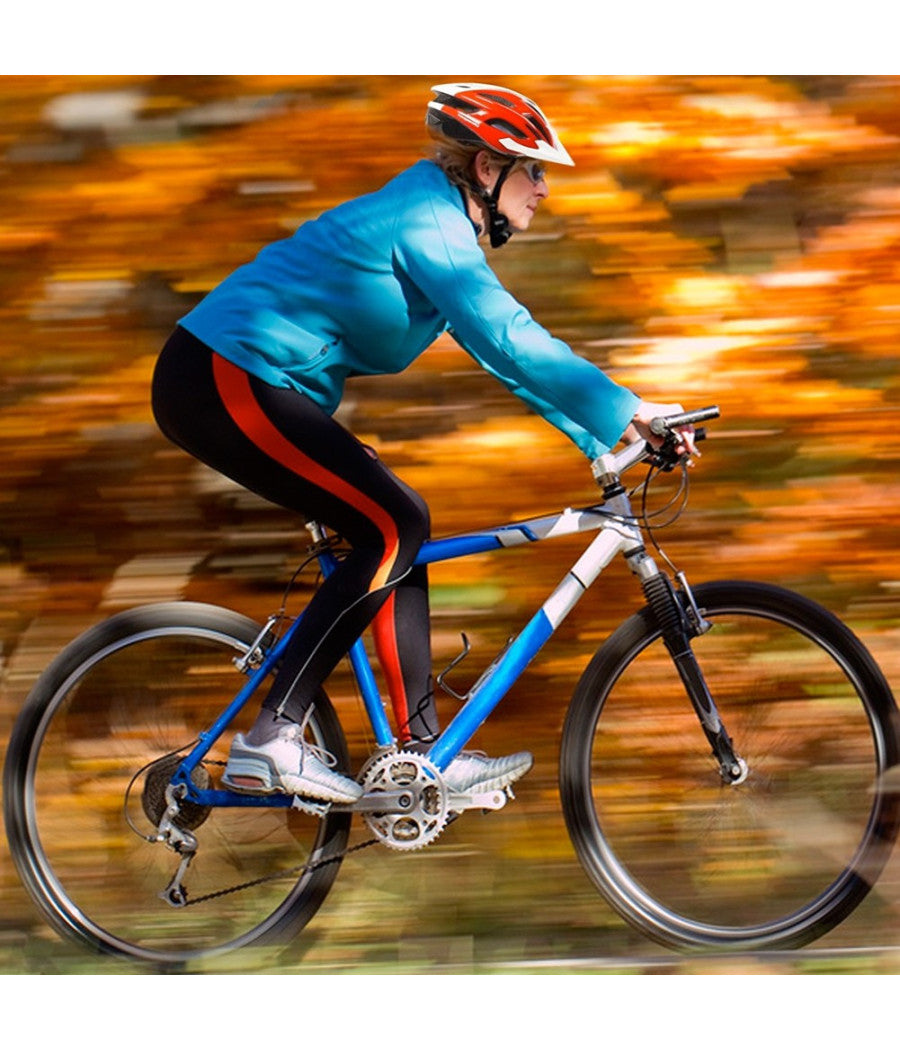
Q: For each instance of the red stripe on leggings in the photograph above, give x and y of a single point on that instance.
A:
(234, 388)
(384, 632)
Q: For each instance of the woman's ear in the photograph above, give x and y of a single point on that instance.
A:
(481, 168)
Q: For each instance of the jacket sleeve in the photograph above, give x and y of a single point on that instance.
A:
(436, 246)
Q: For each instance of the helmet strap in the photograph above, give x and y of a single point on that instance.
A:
(498, 224)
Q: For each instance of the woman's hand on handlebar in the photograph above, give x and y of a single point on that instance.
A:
(639, 429)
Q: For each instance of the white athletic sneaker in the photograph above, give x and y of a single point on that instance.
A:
(287, 764)
(473, 772)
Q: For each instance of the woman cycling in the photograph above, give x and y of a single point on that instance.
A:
(250, 379)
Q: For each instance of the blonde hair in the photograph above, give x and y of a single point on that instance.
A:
(454, 158)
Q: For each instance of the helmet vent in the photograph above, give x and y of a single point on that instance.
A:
(455, 102)
(539, 128)
(499, 99)
(502, 125)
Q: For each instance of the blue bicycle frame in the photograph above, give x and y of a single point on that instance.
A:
(618, 533)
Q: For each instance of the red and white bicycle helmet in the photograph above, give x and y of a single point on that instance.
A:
(498, 118)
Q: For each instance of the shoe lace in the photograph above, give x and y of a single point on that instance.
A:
(296, 732)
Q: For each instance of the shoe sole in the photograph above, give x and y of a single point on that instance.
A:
(267, 781)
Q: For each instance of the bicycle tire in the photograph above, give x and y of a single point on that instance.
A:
(771, 863)
(129, 691)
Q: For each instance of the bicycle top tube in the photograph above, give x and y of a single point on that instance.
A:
(533, 530)
(568, 521)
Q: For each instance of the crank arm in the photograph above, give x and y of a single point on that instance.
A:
(379, 802)
(457, 802)
(401, 801)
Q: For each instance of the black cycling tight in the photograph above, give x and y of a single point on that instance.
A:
(282, 446)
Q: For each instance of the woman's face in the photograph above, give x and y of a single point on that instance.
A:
(523, 191)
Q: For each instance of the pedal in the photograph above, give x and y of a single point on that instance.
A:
(313, 809)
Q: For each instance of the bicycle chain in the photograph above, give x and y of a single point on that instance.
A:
(298, 871)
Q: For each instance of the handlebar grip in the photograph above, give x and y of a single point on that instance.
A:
(661, 425)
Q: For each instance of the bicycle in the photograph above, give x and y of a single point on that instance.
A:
(741, 723)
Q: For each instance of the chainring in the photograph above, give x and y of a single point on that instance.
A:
(418, 813)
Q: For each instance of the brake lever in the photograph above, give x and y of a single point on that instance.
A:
(665, 458)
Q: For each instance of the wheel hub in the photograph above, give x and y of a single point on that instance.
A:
(153, 797)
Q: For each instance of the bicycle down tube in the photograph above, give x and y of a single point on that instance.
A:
(492, 687)
(618, 534)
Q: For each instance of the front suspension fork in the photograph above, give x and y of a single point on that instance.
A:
(679, 622)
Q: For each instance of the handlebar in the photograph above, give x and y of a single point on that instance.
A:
(663, 425)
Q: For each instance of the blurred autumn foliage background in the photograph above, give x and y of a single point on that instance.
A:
(727, 240)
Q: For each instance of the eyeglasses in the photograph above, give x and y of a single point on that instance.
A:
(534, 170)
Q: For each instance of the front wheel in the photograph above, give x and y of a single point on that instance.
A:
(776, 860)
(88, 764)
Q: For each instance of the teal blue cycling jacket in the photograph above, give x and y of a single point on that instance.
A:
(365, 288)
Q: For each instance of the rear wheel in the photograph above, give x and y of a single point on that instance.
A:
(776, 860)
(88, 765)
